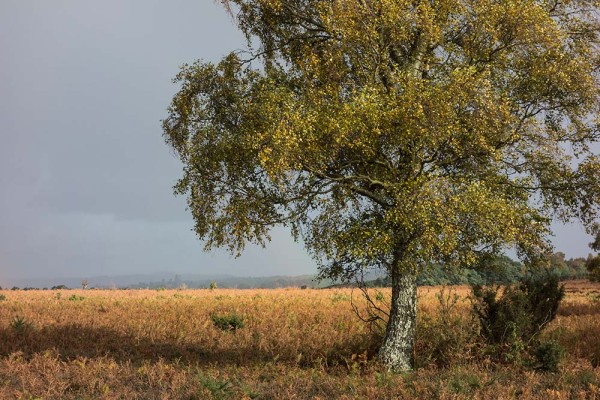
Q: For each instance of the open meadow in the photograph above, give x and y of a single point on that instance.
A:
(275, 344)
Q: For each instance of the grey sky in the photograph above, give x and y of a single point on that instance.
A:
(85, 177)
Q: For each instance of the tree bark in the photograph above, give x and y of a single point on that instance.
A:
(396, 351)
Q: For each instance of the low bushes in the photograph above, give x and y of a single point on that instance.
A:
(511, 324)
(503, 324)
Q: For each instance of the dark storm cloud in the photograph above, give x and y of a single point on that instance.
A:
(89, 82)
(85, 175)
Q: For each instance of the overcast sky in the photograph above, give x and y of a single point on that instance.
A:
(85, 177)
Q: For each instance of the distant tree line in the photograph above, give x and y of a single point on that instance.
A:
(272, 282)
(499, 270)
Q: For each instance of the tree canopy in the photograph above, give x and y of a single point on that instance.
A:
(394, 134)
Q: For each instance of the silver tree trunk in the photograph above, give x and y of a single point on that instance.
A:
(397, 349)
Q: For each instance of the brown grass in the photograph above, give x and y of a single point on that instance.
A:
(303, 344)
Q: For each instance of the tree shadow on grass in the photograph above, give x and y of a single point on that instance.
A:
(77, 341)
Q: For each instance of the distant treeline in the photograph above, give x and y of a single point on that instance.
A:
(495, 270)
(499, 270)
(273, 282)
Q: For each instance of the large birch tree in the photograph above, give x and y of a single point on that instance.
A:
(394, 134)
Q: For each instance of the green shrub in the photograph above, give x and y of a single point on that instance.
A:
(20, 325)
(231, 322)
(2, 297)
(512, 322)
(548, 356)
(219, 389)
(464, 383)
(339, 296)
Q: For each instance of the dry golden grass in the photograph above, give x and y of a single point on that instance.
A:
(303, 344)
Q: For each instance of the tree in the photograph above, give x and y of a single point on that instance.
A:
(595, 245)
(593, 266)
(393, 134)
(593, 263)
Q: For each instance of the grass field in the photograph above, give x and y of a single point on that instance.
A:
(295, 344)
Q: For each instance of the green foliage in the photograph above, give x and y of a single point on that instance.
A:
(511, 322)
(593, 266)
(231, 322)
(595, 230)
(339, 296)
(218, 388)
(2, 297)
(74, 297)
(464, 382)
(20, 325)
(493, 270)
(582, 378)
(548, 356)
(593, 263)
(213, 285)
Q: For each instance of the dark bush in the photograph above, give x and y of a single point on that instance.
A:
(548, 356)
(593, 266)
(514, 320)
(231, 322)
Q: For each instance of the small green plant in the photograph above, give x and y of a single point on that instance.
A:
(74, 297)
(58, 295)
(548, 356)
(212, 286)
(20, 325)
(464, 383)
(2, 297)
(582, 379)
(339, 296)
(219, 389)
(231, 322)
